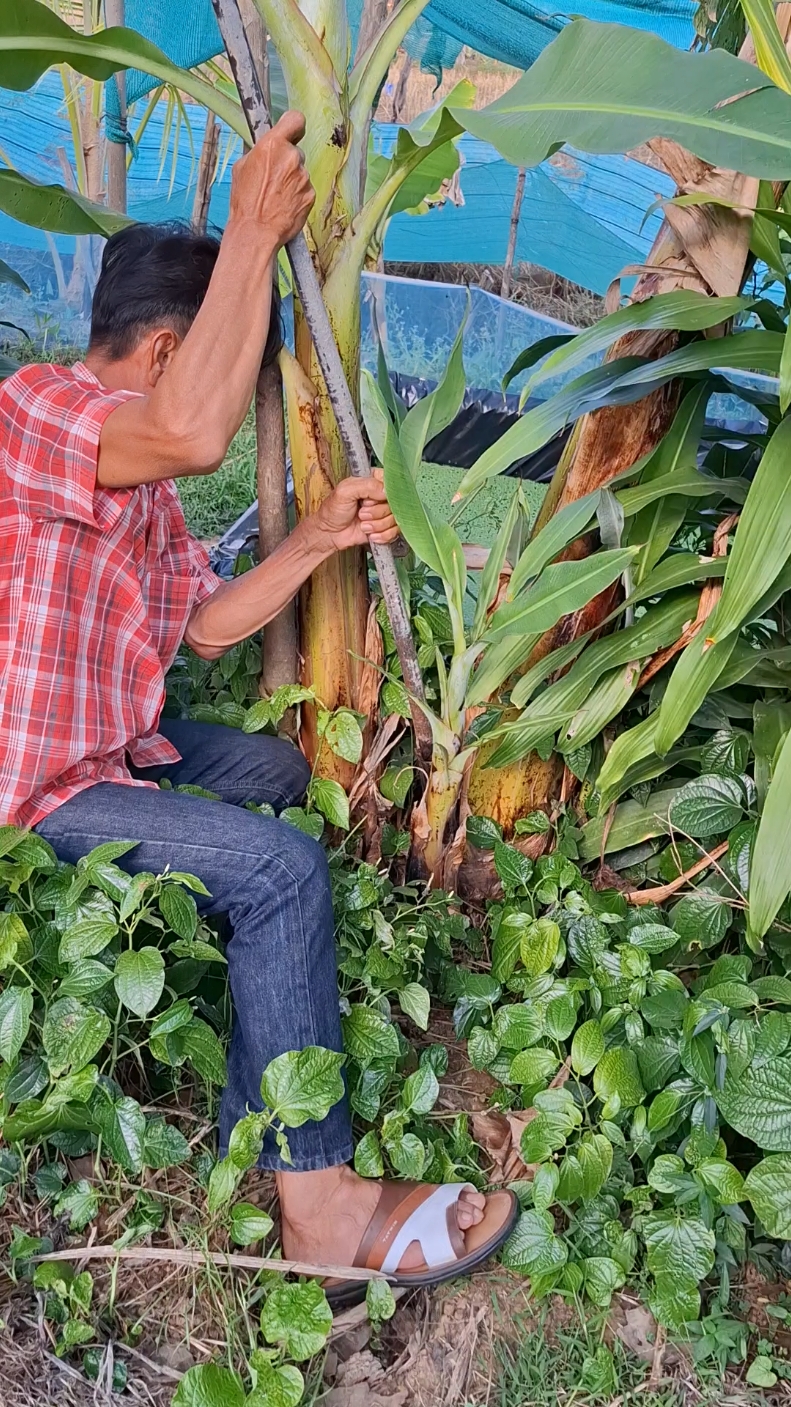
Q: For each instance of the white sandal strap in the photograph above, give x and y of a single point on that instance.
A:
(428, 1225)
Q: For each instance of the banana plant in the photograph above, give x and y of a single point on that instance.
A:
(492, 630)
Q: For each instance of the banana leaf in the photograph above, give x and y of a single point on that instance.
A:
(33, 38)
(606, 88)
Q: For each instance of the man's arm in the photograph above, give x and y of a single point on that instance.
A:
(190, 417)
(356, 512)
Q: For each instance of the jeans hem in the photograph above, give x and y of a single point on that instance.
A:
(272, 1162)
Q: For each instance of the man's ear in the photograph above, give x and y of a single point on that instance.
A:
(162, 347)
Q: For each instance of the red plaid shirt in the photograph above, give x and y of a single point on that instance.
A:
(96, 588)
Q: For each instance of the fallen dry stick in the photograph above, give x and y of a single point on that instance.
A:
(231, 1261)
(664, 891)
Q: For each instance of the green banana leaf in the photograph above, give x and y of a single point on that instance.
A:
(606, 88)
(55, 208)
(9, 275)
(33, 38)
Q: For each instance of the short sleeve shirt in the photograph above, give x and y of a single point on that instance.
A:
(96, 589)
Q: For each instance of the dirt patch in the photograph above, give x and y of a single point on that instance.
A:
(437, 1349)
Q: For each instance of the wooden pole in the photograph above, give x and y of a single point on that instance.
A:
(207, 167)
(318, 322)
(516, 211)
(116, 151)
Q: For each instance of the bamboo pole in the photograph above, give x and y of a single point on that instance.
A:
(116, 151)
(516, 211)
(207, 167)
(306, 281)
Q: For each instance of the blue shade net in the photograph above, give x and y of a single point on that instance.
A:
(583, 217)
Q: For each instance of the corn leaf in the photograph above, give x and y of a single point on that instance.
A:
(629, 749)
(770, 872)
(606, 699)
(562, 587)
(555, 707)
(606, 88)
(762, 544)
(678, 569)
(771, 722)
(534, 353)
(620, 383)
(690, 484)
(375, 413)
(682, 311)
(490, 576)
(563, 527)
(695, 674)
(549, 664)
(655, 526)
(785, 371)
(435, 543)
(498, 664)
(434, 412)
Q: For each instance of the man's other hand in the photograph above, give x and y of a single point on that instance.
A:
(356, 513)
(270, 185)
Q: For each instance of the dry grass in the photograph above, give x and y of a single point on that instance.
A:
(420, 92)
(532, 286)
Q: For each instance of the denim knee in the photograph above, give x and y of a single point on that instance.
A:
(295, 774)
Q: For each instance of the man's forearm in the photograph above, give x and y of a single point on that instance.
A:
(187, 422)
(239, 608)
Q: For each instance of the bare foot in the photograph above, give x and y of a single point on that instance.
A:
(324, 1216)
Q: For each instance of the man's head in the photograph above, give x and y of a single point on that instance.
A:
(151, 285)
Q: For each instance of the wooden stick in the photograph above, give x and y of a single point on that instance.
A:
(207, 167)
(228, 1260)
(664, 891)
(116, 151)
(307, 285)
(508, 266)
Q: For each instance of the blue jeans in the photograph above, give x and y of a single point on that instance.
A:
(270, 879)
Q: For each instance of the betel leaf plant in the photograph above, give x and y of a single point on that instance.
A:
(102, 971)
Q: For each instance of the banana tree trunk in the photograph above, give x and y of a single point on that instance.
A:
(333, 604)
(705, 248)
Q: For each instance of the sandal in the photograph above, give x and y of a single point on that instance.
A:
(416, 1211)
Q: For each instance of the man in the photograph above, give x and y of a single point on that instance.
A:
(99, 584)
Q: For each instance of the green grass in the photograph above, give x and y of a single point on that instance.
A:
(213, 501)
(570, 1366)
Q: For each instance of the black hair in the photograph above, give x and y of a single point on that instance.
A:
(157, 276)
